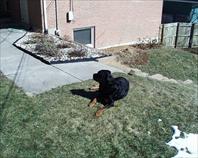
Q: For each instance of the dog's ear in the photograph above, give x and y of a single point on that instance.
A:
(109, 72)
(104, 71)
(109, 77)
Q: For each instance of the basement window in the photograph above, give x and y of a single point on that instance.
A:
(85, 36)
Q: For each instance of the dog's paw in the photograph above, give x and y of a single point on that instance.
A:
(93, 103)
(100, 112)
(94, 88)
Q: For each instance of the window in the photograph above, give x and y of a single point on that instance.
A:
(85, 36)
(194, 14)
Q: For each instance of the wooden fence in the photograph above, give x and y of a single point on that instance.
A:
(179, 35)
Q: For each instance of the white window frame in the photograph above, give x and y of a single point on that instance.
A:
(92, 44)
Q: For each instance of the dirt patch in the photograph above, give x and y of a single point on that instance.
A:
(133, 56)
(114, 62)
(129, 56)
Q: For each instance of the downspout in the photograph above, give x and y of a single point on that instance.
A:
(45, 17)
(56, 13)
(71, 6)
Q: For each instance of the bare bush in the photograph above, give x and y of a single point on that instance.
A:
(63, 45)
(46, 46)
(30, 41)
(147, 44)
(38, 36)
(77, 53)
(34, 38)
(66, 38)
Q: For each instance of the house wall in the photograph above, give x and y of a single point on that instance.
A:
(115, 22)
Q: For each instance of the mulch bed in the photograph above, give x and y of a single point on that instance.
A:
(53, 49)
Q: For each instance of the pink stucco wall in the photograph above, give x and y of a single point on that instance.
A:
(115, 22)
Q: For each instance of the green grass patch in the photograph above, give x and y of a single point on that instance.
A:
(172, 63)
(60, 124)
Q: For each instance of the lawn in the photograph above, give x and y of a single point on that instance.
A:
(60, 124)
(172, 63)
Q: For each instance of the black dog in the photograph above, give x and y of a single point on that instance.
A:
(110, 89)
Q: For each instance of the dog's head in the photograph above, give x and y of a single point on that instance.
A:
(102, 76)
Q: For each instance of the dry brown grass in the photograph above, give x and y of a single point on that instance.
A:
(129, 55)
(132, 57)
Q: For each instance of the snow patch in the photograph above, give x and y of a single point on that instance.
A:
(186, 144)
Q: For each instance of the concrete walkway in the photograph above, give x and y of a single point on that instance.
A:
(33, 75)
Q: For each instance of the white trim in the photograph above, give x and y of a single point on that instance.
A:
(117, 45)
(90, 45)
(92, 28)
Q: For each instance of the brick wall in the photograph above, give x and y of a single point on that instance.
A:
(115, 22)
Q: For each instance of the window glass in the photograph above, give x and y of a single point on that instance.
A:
(194, 15)
(83, 36)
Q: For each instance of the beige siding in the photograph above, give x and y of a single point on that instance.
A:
(116, 22)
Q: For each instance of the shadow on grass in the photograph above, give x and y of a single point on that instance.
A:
(87, 94)
(83, 93)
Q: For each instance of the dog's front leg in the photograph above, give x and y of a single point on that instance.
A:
(93, 102)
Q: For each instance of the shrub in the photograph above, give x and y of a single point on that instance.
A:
(67, 38)
(63, 45)
(46, 46)
(77, 53)
(147, 44)
(30, 41)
